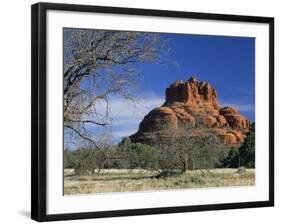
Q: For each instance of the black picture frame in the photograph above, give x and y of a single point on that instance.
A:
(39, 123)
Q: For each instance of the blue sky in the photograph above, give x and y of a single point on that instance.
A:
(227, 63)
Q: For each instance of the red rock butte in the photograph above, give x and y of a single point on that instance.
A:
(192, 102)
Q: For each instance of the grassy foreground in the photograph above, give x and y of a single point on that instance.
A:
(122, 180)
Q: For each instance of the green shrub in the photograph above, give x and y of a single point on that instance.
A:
(245, 155)
(137, 155)
(241, 170)
(69, 159)
(197, 180)
(247, 150)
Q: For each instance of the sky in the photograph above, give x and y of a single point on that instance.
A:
(227, 63)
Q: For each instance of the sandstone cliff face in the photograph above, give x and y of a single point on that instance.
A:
(194, 104)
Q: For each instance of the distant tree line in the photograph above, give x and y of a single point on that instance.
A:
(165, 155)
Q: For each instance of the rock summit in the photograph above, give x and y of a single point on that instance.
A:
(191, 103)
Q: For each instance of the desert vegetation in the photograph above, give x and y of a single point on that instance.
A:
(177, 153)
(198, 161)
(124, 180)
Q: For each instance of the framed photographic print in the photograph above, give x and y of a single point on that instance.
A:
(138, 111)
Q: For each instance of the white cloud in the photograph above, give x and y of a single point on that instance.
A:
(127, 115)
(246, 91)
(120, 134)
(126, 109)
(242, 107)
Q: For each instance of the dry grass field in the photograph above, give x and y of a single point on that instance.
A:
(123, 180)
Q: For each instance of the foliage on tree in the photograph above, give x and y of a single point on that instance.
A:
(137, 155)
(245, 155)
(247, 150)
(69, 158)
(232, 159)
(87, 161)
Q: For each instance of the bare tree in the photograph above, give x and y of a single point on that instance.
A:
(97, 65)
(186, 148)
(199, 149)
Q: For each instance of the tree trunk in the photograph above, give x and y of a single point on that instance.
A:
(185, 162)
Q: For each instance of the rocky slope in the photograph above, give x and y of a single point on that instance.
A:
(194, 104)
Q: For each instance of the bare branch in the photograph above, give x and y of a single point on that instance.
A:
(87, 121)
(98, 65)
